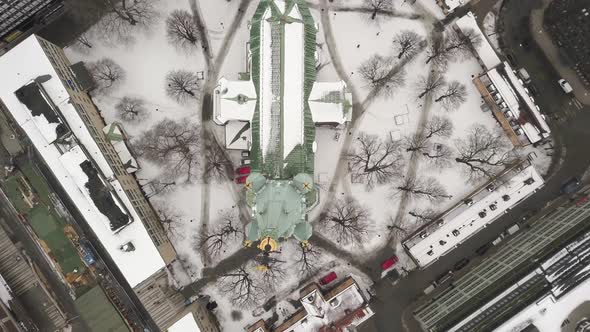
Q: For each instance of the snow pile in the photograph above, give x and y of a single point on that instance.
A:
(185, 324)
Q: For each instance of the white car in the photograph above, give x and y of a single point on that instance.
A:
(567, 88)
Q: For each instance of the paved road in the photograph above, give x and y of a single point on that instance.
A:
(571, 129)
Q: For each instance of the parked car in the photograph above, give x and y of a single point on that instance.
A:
(388, 263)
(441, 279)
(483, 249)
(393, 276)
(460, 264)
(524, 75)
(571, 186)
(245, 154)
(328, 278)
(241, 179)
(565, 86)
(468, 202)
(244, 170)
(491, 187)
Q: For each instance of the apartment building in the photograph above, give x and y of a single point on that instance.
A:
(95, 125)
(47, 101)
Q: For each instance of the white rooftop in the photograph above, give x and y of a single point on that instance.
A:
(466, 220)
(452, 4)
(185, 324)
(233, 100)
(509, 96)
(328, 102)
(238, 135)
(485, 51)
(20, 66)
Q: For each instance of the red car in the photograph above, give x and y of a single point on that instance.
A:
(241, 179)
(389, 262)
(244, 170)
(328, 278)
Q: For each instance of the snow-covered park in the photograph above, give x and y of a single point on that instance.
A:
(411, 151)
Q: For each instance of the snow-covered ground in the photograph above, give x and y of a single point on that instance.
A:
(147, 61)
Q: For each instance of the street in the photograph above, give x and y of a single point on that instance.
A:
(394, 304)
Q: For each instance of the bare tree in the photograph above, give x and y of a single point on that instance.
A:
(175, 145)
(227, 231)
(416, 142)
(182, 85)
(483, 152)
(131, 109)
(106, 73)
(83, 43)
(399, 228)
(217, 165)
(346, 221)
(244, 287)
(424, 216)
(439, 155)
(451, 45)
(461, 43)
(375, 161)
(439, 126)
(157, 186)
(407, 43)
(181, 30)
(122, 17)
(169, 219)
(428, 188)
(453, 95)
(379, 74)
(438, 54)
(273, 274)
(430, 84)
(308, 260)
(378, 6)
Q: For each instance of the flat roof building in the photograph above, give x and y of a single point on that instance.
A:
(504, 93)
(93, 169)
(18, 16)
(452, 228)
(523, 267)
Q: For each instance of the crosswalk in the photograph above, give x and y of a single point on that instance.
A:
(568, 110)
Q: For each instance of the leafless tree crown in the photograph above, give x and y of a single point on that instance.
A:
(439, 155)
(399, 228)
(169, 219)
(453, 95)
(407, 43)
(430, 84)
(375, 161)
(227, 231)
(106, 73)
(428, 188)
(244, 286)
(439, 126)
(308, 259)
(423, 216)
(346, 221)
(182, 30)
(123, 17)
(131, 109)
(483, 152)
(175, 145)
(380, 74)
(217, 166)
(182, 85)
(378, 6)
(451, 45)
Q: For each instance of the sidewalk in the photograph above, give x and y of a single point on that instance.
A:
(544, 41)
